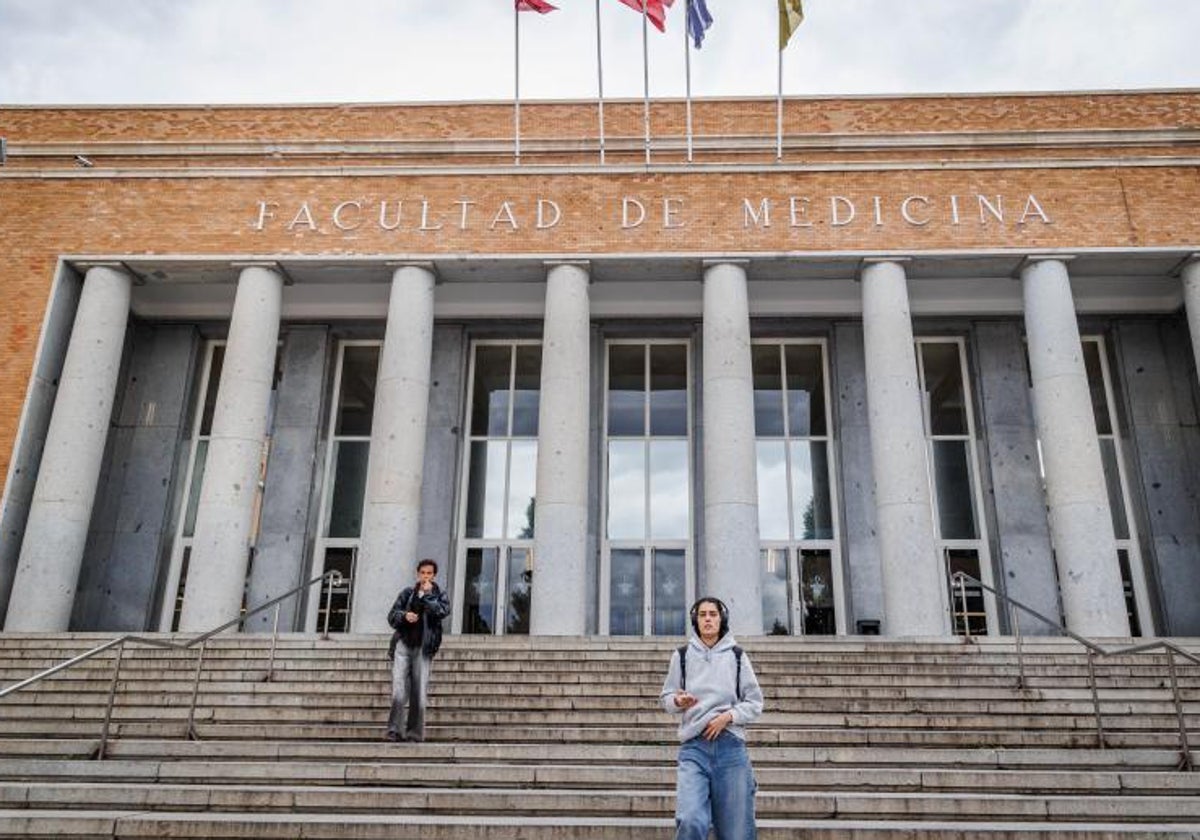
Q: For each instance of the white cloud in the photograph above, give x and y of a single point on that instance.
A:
(154, 51)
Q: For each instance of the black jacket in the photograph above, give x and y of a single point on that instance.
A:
(427, 632)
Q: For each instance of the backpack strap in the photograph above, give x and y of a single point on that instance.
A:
(737, 654)
(682, 667)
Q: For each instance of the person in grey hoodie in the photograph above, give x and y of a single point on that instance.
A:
(711, 683)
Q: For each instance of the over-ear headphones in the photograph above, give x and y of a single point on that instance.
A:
(721, 609)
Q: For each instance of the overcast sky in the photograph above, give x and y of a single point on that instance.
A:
(228, 51)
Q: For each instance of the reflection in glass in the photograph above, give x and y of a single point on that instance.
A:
(776, 594)
(177, 610)
(489, 402)
(520, 580)
(944, 398)
(626, 592)
(772, 490)
(668, 390)
(193, 503)
(214, 384)
(526, 390)
(816, 593)
(349, 487)
(967, 562)
(669, 591)
(626, 489)
(338, 597)
(522, 482)
(479, 598)
(1131, 610)
(356, 397)
(767, 365)
(669, 490)
(806, 390)
(626, 390)
(485, 489)
(955, 500)
(810, 491)
(1112, 480)
(1095, 378)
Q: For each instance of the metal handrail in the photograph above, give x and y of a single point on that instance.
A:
(335, 579)
(1094, 650)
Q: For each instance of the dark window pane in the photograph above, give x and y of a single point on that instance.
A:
(670, 591)
(356, 400)
(338, 597)
(349, 487)
(479, 594)
(1095, 377)
(485, 489)
(1112, 479)
(177, 610)
(626, 390)
(520, 581)
(767, 363)
(489, 402)
(776, 594)
(193, 502)
(626, 593)
(668, 390)
(806, 390)
(1135, 626)
(210, 393)
(816, 593)
(944, 389)
(973, 614)
(526, 391)
(952, 483)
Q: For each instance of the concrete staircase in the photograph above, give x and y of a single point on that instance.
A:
(562, 738)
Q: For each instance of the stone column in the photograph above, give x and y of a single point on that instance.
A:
(559, 605)
(48, 568)
(1191, 301)
(731, 550)
(914, 579)
(1081, 528)
(387, 558)
(216, 576)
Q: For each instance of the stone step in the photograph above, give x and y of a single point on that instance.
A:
(652, 802)
(124, 824)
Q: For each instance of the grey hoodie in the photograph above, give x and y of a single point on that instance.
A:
(712, 679)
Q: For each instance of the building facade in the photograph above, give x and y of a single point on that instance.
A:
(247, 345)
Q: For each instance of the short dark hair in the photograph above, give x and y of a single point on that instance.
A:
(428, 562)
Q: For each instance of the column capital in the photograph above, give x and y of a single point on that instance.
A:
(424, 265)
(1187, 263)
(268, 265)
(871, 262)
(87, 265)
(712, 261)
(1030, 260)
(586, 265)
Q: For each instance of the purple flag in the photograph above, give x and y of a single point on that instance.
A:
(698, 20)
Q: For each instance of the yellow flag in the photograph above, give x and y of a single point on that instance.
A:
(790, 15)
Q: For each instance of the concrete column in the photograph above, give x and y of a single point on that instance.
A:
(559, 605)
(1081, 528)
(914, 580)
(48, 568)
(387, 558)
(216, 576)
(731, 548)
(1191, 301)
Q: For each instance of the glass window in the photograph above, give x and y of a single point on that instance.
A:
(492, 390)
(337, 598)
(806, 389)
(627, 598)
(810, 491)
(210, 392)
(626, 490)
(816, 592)
(522, 483)
(669, 496)
(485, 489)
(349, 487)
(945, 402)
(952, 484)
(767, 365)
(356, 397)
(520, 580)
(527, 385)
(777, 596)
(668, 390)
(479, 603)
(670, 591)
(626, 390)
(773, 522)
(1095, 377)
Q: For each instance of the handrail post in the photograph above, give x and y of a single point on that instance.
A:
(1016, 623)
(190, 733)
(1185, 750)
(274, 637)
(112, 694)
(1091, 660)
(962, 597)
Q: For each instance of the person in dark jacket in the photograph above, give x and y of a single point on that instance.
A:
(416, 616)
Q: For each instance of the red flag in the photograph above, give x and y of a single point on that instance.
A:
(539, 6)
(656, 11)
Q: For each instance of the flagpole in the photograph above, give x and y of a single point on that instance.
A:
(516, 85)
(779, 113)
(687, 69)
(646, 78)
(600, 82)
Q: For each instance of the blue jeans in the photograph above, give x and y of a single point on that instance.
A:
(715, 788)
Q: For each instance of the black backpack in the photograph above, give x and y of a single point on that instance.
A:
(737, 653)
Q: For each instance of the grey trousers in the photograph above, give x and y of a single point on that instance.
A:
(410, 686)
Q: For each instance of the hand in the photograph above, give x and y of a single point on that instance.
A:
(411, 617)
(717, 725)
(683, 700)
(425, 588)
